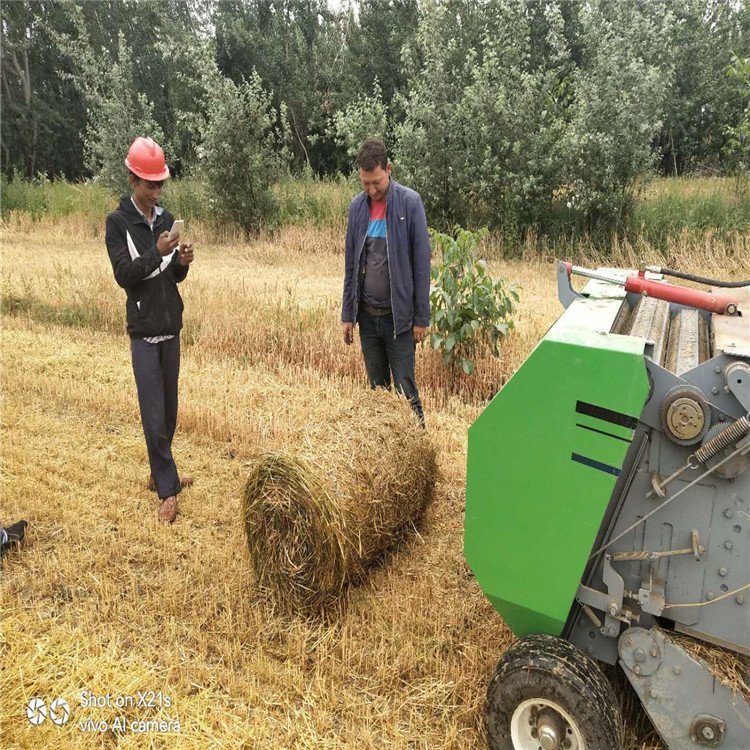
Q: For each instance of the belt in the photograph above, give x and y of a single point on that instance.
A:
(377, 312)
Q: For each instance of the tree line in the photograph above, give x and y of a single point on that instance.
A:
(507, 113)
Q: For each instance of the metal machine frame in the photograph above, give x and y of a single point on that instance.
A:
(602, 478)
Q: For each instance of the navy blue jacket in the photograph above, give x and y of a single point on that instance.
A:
(408, 246)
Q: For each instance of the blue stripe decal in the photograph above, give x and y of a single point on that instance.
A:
(376, 228)
(606, 468)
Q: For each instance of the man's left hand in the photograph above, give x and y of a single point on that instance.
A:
(419, 333)
(186, 255)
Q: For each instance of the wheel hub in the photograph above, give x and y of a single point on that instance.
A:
(543, 725)
(548, 738)
(549, 730)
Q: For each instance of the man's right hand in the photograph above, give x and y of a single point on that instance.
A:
(348, 331)
(164, 246)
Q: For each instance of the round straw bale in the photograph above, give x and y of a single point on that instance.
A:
(319, 513)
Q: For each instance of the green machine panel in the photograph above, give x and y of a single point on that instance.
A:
(543, 460)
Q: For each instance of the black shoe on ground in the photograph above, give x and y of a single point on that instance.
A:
(15, 533)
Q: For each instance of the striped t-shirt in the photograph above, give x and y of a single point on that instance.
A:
(376, 281)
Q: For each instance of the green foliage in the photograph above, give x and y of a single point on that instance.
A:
(374, 44)
(615, 113)
(73, 314)
(296, 47)
(43, 197)
(516, 114)
(701, 102)
(469, 308)
(366, 117)
(241, 153)
(42, 113)
(117, 116)
(323, 203)
(431, 141)
(29, 196)
(507, 119)
(738, 145)
(117, 112)
(677, 206)
(187, 198)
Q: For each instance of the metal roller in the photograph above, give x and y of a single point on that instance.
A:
(688, 344)
(649, 320)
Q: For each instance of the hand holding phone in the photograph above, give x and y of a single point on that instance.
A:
(174, 233)
(186, 255)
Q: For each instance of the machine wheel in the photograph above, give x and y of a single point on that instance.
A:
(547, 694)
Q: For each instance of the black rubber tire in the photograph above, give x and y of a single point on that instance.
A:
(542, 666)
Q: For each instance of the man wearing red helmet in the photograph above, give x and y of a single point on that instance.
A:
(148, 265)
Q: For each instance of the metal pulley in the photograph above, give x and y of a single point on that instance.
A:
(685, 415)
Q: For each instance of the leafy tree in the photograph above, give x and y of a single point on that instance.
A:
(41, 112)
(296, 47)
(516, 116)
(738, 145)
(483, 138)
(619, 97)
(702, 102)
(431, 141)
(117, 112)
(364, 118)
(158, 36)
(374, 45)
(468, 307)
(241, 152)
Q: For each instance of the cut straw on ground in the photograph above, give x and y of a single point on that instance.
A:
(101, 597)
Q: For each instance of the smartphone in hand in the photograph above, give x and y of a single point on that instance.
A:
(174, 232)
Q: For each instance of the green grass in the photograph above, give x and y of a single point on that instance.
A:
(667, 209)
(322, 202)
(68, 314)
(300, 201)
(42, 197)
(673, 206)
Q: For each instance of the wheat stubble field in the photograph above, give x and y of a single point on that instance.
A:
(166, 622)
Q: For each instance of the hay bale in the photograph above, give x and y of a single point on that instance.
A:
(320, 513)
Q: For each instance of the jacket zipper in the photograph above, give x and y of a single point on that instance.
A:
(167, 313)
(388, 258)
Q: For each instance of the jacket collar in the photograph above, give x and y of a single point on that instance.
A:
(393, 187)
(128, 207)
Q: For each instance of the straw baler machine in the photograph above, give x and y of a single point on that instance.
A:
(608, 516)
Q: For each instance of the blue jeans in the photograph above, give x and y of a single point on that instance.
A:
(386, 356)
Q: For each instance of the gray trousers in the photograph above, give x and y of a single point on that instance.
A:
(157, 369)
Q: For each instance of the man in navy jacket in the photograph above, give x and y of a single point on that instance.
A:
(387, 274)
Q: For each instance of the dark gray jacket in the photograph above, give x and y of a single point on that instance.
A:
(408, 246)
(154, 306)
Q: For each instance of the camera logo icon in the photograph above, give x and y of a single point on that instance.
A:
(59, 711)
(36, 711)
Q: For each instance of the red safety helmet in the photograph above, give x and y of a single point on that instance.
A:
(146, 159)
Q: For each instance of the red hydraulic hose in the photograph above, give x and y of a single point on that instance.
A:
(681, 295)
